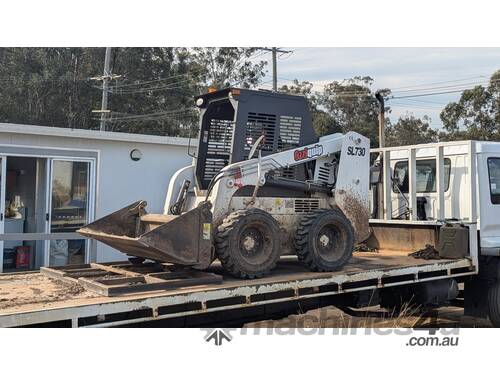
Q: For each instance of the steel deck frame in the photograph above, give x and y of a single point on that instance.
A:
(221, 298)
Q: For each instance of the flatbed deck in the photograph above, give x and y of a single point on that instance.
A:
(32, 298)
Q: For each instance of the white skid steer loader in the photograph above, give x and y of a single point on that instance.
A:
(262, 185)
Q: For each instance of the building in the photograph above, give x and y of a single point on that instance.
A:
(54, 180)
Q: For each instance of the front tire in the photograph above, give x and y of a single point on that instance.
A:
(324, 240)
(248, 243)
(494, 303)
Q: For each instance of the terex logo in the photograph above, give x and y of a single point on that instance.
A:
(308, 152)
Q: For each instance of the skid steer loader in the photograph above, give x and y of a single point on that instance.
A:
(261, 185)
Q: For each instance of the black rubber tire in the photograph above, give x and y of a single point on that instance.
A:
(494, 304)
(324, 225)
(230, 243)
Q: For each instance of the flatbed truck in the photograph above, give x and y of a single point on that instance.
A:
(417, 192)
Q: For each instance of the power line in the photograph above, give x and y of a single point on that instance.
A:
(149, 89)
(440, 82)
(138, 83)
(132, 117)
(423, 101)
(152, 117)
(49, 78)
(464, 85)
(429, 94)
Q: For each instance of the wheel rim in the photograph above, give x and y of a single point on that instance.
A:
(328, 242)
(255, 244)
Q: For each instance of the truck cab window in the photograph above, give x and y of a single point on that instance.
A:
(494, 173)
(425, 176)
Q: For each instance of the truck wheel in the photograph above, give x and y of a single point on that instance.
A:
(136, 260)
(494, 304)
(324, 240)
(248, 243)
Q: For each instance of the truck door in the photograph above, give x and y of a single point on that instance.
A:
(488, 166)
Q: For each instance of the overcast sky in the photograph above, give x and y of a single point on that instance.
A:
(407, 71)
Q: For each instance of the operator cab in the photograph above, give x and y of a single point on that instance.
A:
(233, 119)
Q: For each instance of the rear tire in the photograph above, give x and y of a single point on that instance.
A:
(324, 240)
(248, 243)
(494, 304)
(136, 260)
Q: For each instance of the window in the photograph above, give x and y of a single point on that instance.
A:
(494, 173)
(425, 174)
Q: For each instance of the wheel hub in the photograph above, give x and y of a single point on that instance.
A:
(324, 240)
(327, 243)
(252, 242)
(249, 243)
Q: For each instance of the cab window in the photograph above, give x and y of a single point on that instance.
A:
(494, 175)
(425, 174)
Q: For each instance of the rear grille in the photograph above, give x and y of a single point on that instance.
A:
(218, 147)
(220, 135)
(306, 205)
(212, 167)
(260, 124)
(289, 132)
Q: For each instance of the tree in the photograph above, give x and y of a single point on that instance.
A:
(322, 122)
(227, 66)
(476, 115)
(48, 86)
(154, 95)
(156, 92)
(53, 87)
(342, 106)
(410, 130)
(352, 104)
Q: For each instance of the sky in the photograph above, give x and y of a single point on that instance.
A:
(407, 71)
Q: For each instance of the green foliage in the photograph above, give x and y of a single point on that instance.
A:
(228, 66)
(52, 86)
(322, 121)
(476, 115)
(352, 103)
(342, 106)
(410, 130)
(48, 86)
(154, 95)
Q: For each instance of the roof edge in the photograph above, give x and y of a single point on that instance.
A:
(91, 134)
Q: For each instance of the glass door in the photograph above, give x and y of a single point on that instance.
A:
(69, 202)
(3, 176)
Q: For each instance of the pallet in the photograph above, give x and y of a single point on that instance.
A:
(120, 278)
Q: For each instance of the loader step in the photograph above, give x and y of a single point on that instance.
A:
(157, 218)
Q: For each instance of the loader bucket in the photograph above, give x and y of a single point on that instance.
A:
(180, 239)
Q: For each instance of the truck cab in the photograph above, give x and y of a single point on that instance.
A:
(421, 191)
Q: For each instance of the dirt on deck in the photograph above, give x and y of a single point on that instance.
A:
(30, 289)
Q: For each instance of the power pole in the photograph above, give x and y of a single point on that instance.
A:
(275, 69)
(274, 51)
(105, 84)
(105, 78)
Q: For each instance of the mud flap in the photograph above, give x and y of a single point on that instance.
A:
(184, 239)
